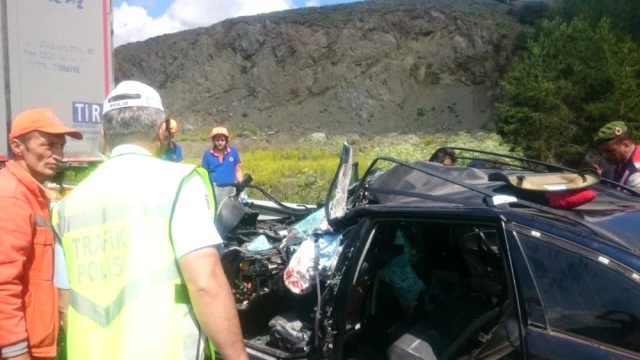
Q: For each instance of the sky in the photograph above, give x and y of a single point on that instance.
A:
(136, 20)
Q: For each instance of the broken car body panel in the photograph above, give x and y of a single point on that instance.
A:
(445, 265)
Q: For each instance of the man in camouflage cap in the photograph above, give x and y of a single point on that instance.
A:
(621, 154)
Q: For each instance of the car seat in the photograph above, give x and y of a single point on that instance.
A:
(419, 343)
(480, 250)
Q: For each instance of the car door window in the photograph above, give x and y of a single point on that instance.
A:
(583, 296)
(526, 285)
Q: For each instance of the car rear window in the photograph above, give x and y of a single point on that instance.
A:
(584, 297)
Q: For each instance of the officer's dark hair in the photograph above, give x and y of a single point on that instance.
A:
(444, 153)
(593, 160)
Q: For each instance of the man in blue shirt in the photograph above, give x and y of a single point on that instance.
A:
(222, 161)
(174, 152)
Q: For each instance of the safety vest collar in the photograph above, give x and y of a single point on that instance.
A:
(622, 172)
(129, 149)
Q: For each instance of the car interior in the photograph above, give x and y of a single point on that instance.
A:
(426, 290)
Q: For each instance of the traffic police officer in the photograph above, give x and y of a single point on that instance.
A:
(138, 246)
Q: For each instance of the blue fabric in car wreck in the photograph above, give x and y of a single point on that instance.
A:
(318, 250)
(400, 275)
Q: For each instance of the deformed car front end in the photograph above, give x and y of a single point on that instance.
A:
(280, 262)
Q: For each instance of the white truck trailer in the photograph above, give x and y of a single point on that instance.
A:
(58, 54)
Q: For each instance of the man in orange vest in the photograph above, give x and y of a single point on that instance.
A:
(28, 298)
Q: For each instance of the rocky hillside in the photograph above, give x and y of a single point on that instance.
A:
(403, 66)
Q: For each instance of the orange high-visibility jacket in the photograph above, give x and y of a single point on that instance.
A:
(28, 298)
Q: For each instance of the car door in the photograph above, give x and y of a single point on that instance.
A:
(501, 341)
(575, 302)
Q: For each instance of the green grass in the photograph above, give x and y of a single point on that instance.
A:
(303, 173)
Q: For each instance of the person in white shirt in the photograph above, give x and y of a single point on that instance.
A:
(134, 130)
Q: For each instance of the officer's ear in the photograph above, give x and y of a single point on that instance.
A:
(627, 143)
(105, 143)
(162, 132)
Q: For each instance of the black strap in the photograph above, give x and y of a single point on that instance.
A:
(181, 294)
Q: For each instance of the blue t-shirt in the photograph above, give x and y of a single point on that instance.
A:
(222, 169)
(173, 153)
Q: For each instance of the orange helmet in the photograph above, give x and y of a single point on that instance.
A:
(219, 130)
(173, 125)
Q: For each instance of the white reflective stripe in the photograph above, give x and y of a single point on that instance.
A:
(41, 221)
(104, 316)
(624, 177)
(13, 350)
(113, 212)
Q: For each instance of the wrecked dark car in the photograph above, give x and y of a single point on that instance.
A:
(424, 261)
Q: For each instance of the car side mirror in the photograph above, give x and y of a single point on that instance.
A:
(246, 180)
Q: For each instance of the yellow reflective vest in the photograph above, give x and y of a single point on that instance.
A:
(126, 296)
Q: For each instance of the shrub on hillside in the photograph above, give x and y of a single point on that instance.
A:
(574, 79)
(623, 13)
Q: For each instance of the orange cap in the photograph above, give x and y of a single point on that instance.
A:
(42, 119)
(219, 130)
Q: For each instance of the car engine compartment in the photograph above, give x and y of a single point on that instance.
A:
(257, 252)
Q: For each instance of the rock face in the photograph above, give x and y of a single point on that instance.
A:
(372, 68)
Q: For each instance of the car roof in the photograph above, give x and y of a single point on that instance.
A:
(613, 216)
